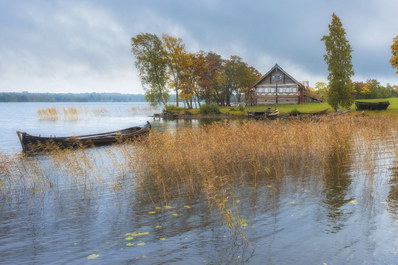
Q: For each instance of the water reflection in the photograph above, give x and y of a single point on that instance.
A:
(337, 183)
(297, 213)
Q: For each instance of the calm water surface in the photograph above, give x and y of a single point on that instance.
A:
(346, 215)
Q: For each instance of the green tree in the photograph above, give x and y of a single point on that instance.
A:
(338, 58)
(394, 56)
(321, 89)
(151, 61)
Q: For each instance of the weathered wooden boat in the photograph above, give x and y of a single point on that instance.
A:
(381, 105)
(33, 144)
(272, 115)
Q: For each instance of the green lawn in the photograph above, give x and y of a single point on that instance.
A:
(314, 107)
(304, 108)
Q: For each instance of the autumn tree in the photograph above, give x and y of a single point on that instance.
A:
(338, 59)
(151, 62)
(321, 89)
(210, 64)
(394, 56)
(176, 61)
(189, 79)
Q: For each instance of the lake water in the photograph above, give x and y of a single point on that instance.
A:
(346, 215)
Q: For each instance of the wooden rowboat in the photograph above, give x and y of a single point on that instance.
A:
(272, 115)
(33, 144)
(382, 105)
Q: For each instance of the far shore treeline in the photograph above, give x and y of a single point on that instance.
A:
(69, 97)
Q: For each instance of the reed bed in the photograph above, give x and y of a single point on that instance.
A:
(145, 109)
(214, 160)
(50, 114)
(210, 158)
(69, 113)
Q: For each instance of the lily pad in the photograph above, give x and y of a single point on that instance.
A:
(93, 256)
(353, 202)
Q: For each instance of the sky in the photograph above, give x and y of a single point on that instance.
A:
(76, 46)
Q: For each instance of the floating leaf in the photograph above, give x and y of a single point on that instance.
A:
(187, 206)
(237, 201)
(151, 212)
(158, 226)
(140, 234)
(162, 238)
(128, 234)
(269, 186)
(130, 244)
(158, 208)
(141, 244)
(168, 207)
(129, 238)
(353, 202)
(93, 256)
(174, 214)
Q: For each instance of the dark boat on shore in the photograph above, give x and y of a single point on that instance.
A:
(382, 105)
(33, 144)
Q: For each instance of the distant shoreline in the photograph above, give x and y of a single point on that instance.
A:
(70, 97)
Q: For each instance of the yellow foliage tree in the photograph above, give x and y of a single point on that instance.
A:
(394, 51)
(176, 55)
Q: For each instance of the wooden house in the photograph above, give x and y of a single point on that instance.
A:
(277, 87)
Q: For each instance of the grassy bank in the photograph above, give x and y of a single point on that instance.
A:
(285, 109)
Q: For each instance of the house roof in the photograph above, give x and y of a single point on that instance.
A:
(280, 69)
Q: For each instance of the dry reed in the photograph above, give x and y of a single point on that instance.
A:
(50, 114)
(211, 157)
(69, 113)
(214, 160)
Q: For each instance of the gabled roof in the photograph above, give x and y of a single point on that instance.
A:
(280, 69)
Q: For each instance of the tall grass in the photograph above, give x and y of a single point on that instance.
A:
(50, 114)
(69, 113)
(211, 157)
(214, 160)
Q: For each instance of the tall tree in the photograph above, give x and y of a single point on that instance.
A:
(151, 62)
(207, 74)
(338, 58)
(176, 61)
(394, 56)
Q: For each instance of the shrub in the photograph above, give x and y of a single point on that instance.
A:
(173, 109)
(209, 109)
(295, 112)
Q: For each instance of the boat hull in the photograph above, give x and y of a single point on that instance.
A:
(382, 105)
(33, 144)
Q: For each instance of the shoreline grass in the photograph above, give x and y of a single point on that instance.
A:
(304, 108)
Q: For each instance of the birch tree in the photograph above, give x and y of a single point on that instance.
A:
(338, 59)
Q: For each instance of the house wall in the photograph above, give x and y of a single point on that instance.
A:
(288, 90)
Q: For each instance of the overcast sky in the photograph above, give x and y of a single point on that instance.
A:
(84, 45)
